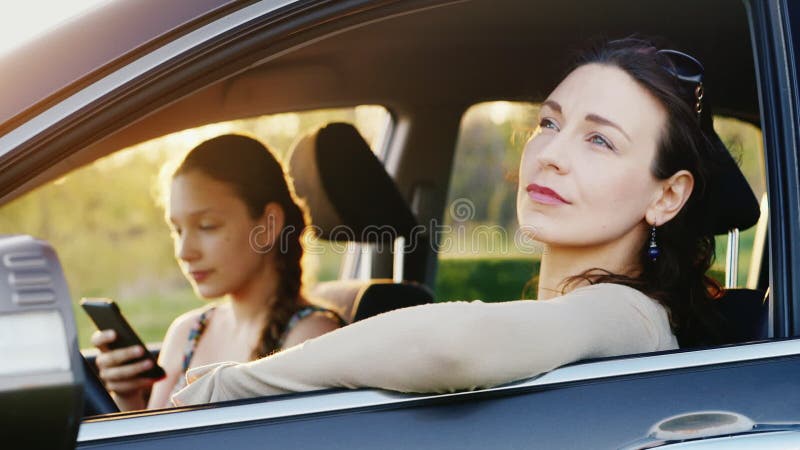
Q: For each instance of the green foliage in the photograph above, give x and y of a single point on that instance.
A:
(487, 279)
(488, 152)
(493, 279)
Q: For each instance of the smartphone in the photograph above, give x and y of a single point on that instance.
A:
(106, 315)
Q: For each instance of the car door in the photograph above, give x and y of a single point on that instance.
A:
(600, 404)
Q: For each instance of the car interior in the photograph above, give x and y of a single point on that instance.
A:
(428, 64)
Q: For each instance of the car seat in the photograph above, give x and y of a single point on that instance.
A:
(351, 198)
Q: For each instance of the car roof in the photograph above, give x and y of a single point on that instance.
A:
(82, 49)
(463, 53)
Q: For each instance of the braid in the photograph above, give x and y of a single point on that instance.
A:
(290, 273)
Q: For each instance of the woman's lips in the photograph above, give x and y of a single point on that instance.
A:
(544, 195)
(199, 275)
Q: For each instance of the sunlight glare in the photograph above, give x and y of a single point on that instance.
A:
(26, 20)
(499, 112)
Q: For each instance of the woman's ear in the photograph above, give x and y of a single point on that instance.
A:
(268, 228)
(675, 191)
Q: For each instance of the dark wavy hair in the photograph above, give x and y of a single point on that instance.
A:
(677, 278)
(258, 178)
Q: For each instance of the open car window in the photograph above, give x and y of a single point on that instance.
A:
(107, 224)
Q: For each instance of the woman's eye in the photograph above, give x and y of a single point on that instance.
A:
(600, 140)
(548, 123)
(208, 227)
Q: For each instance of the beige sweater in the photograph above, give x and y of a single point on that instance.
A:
(445, 347)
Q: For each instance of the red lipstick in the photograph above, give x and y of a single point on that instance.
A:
(545, 195)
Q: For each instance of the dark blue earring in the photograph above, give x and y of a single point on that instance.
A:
(653, 251)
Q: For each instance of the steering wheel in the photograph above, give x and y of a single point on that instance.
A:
(97, 400)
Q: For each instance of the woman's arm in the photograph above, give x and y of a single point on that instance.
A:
(446, 347)
(316, 324)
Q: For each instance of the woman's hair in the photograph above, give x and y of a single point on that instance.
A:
(258, 179)
(677, 278)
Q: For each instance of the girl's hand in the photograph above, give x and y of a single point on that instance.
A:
(120, 377)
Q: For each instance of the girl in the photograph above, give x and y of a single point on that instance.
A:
(236, 228)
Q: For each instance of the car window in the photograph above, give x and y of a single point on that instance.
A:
(105, 222)
(746, 144)
(482, 253)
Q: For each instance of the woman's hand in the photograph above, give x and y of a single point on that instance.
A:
(120, 377)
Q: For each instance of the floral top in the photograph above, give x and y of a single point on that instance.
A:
(194, 336)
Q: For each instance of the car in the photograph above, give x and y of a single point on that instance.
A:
(423, 81)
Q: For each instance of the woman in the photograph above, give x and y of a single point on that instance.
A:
(236, 228)
(613, 182)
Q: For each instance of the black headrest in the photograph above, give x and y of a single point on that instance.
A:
(349, 194)
(378, 298)
(731, 201)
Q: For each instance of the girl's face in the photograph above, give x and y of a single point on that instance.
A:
(585, 174)
(212, 231)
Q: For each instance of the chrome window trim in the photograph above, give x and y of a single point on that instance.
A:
(135, 69)
(777, 440)
(148, 423)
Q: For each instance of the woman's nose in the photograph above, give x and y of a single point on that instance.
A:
(552, 154)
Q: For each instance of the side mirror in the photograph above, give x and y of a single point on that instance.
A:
(41, 376)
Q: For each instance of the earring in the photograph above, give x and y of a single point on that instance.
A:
(653, 251)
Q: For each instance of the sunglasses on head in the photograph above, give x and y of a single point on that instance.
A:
(687, 69)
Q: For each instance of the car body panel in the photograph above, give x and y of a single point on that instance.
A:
(613, 412)
(122, 28)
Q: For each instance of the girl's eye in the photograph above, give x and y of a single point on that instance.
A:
(600, 140)
(548, 123)
(208, 227)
